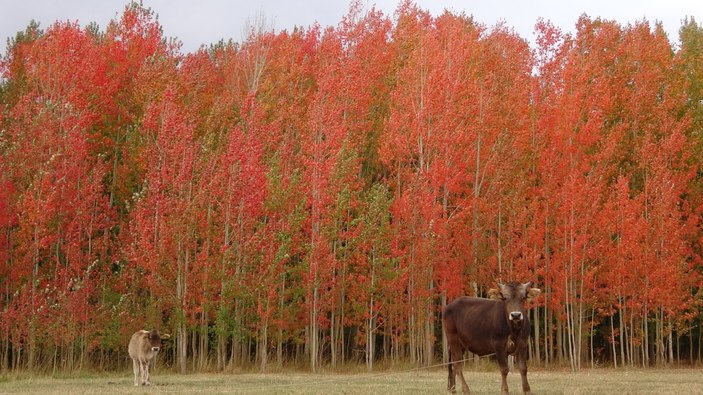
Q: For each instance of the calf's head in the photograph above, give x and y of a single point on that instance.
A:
(154, 340)
(514, 296)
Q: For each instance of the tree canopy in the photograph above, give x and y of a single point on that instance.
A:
(318, 195)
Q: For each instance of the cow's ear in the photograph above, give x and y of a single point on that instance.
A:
(495, 294)
(533, 293)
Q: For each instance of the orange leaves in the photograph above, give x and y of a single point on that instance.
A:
(614, 154)
(318, 180)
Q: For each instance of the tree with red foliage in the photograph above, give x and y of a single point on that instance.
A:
(64, 218)
(325, 192)
(163, 249)
(140, 63)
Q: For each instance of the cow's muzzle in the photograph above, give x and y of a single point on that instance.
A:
(516, 316)
(155, 349)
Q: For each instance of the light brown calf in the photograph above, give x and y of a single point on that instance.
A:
(143, 347)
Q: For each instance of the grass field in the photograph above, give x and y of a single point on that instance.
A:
(601, 381)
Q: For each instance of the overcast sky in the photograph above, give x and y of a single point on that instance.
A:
(206, 21)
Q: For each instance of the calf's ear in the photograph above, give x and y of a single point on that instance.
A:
(494, 294)
(533, 293)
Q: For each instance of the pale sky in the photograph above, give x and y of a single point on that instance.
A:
(207, 21)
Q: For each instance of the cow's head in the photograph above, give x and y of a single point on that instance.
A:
(514, 296)
(154, 340)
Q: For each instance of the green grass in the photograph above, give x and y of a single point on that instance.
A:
(601, 381)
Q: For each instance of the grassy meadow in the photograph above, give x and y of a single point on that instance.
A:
(600, 381)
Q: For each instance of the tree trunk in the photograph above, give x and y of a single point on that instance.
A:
(313, 332)
(590, 345)
(263, 343)
(548, 334)
(612, 342)
(181, 347)
(371, 322)
(561, 342)
(622, 332)
(536, 323)
(370, 326)
(181, 294)
(281, 305)
(671, 343)
(334, 339)
(32, 320)
(645, 330)
(659, 338)
(548, 322)
(445, 344)
(690, 346)
(221, 351)
(429, 319)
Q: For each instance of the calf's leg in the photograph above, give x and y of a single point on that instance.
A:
(143, 371)
(146, 372)
(135, 369)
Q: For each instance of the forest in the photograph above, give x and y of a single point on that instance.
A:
(313, 198)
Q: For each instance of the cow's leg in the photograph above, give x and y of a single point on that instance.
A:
(456, 356)
(135, 369)
(458, 368)
(522, 361)
(503, 363)
(451, 383)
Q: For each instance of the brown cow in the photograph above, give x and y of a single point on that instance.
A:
(485, 327)
(143, 347)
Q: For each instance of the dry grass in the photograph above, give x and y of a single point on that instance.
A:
(602, 381)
